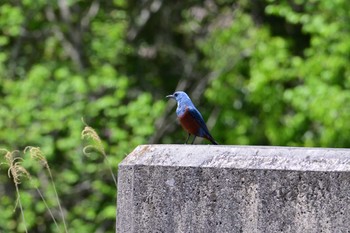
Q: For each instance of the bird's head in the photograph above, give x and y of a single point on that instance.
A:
(180, 97)
(183, 102)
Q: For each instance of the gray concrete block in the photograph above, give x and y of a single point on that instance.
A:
(205, 188)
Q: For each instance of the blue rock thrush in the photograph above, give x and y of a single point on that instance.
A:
(190, 118)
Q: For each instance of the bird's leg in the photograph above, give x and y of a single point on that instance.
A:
(194, 138)
(189, 135)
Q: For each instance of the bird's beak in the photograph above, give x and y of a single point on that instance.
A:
(170, 96)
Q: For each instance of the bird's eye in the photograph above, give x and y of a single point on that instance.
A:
(176, 94)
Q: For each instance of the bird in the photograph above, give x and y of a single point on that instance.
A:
(190, 118)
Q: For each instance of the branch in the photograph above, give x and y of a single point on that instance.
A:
(92, 12)
(153, 6)
(64, 10)
(68, 47)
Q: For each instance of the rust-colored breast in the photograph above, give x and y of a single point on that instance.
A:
(189, 123)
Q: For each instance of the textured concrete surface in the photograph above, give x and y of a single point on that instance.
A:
(204, 188)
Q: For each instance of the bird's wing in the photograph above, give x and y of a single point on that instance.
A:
(197, 115)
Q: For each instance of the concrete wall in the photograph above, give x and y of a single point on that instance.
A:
(204, 188)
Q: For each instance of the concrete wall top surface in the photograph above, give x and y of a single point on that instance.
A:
(241, 157)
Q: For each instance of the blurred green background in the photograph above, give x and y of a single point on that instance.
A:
(261, 72)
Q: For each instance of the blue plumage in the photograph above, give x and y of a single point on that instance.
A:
(190, 118)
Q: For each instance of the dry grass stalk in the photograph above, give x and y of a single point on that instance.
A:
(16, 171)
(36, 154)
(89, 133)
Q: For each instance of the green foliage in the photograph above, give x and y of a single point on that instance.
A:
(45, 95)
(11, 20)
(280, 92)
(272, 73)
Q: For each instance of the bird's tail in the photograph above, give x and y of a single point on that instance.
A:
(214, 142)
(211, 139)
